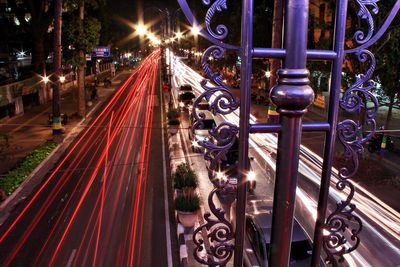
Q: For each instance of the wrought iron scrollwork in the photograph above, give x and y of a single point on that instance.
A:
(342, 222)
(365, 13)
(358, 98)
(221, 30)
(219, 233)
(335, 243)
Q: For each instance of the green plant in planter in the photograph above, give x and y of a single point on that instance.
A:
(188, 203)
(173, 113)
(184, 177)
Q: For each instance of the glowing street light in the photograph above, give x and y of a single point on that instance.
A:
(141, 29)
(268, 74)
(195, 30)
(150, 35)
(178, 35)
(45, 79)
(62, 79)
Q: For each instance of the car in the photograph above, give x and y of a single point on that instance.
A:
(228, 169)
(203, 133)
(185, 99)
(185, 88)
(203, 105)
(258, 239)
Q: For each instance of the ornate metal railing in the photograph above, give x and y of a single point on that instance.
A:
(337, 233)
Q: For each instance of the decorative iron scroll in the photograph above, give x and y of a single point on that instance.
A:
(220, 234)
(358, 98)
(365, 14)
(221, 30)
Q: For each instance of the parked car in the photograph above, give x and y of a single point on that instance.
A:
(185, 99)
(258, 239)
(229, 167)
(203, 133)
(185, 88)
(203, 105)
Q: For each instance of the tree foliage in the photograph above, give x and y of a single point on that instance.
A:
(73, 41)
(41, 16)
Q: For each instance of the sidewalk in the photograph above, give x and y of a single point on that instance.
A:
(28, 131)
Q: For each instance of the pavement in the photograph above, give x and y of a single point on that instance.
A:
(23, 139)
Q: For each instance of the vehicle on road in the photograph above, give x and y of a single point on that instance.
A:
(185, 99)
(258, 239)
(228, 168)
(202, 133)
(185, 88)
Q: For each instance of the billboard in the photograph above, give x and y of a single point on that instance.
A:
(101, 51)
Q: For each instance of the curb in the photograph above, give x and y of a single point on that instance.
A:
(183, 250)
(176, 157)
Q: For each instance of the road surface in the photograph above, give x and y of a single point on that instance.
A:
(104, 203)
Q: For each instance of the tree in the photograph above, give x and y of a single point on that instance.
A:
(80, 37)
(57, 69)
(388, 63)
(41, 16)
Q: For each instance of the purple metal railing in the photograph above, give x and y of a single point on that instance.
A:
(292, 95)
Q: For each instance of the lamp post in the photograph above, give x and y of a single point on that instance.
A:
(57, 70)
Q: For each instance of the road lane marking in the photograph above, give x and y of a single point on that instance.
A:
(71, 258)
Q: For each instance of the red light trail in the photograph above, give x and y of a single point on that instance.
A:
(107, 149)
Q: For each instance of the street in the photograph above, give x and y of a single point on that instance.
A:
(103, 204)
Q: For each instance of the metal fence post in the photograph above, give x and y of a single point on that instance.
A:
(245, 87)
(292, 96)
(340, 22)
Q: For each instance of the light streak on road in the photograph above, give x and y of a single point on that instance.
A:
(115, 127)
(380, 221)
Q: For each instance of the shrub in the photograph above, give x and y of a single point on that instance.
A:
(188, 203)
(16, 176)
(184, 176)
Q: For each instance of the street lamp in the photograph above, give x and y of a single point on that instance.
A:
(45, 79)
(179, 35)
(141, 29)
(195, 30)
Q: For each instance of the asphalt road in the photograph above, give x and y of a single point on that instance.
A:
(103, 205)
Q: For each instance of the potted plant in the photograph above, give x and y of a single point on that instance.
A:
(187, 207)
(173, 120)
(173, 113)
(184, 179)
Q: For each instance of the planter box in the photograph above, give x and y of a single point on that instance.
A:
(173, 129)
(187, 219)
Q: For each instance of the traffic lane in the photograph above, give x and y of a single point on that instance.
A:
(153, 242)
(132, 193)
(38, 208)
(83, 233)
(86, 168)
